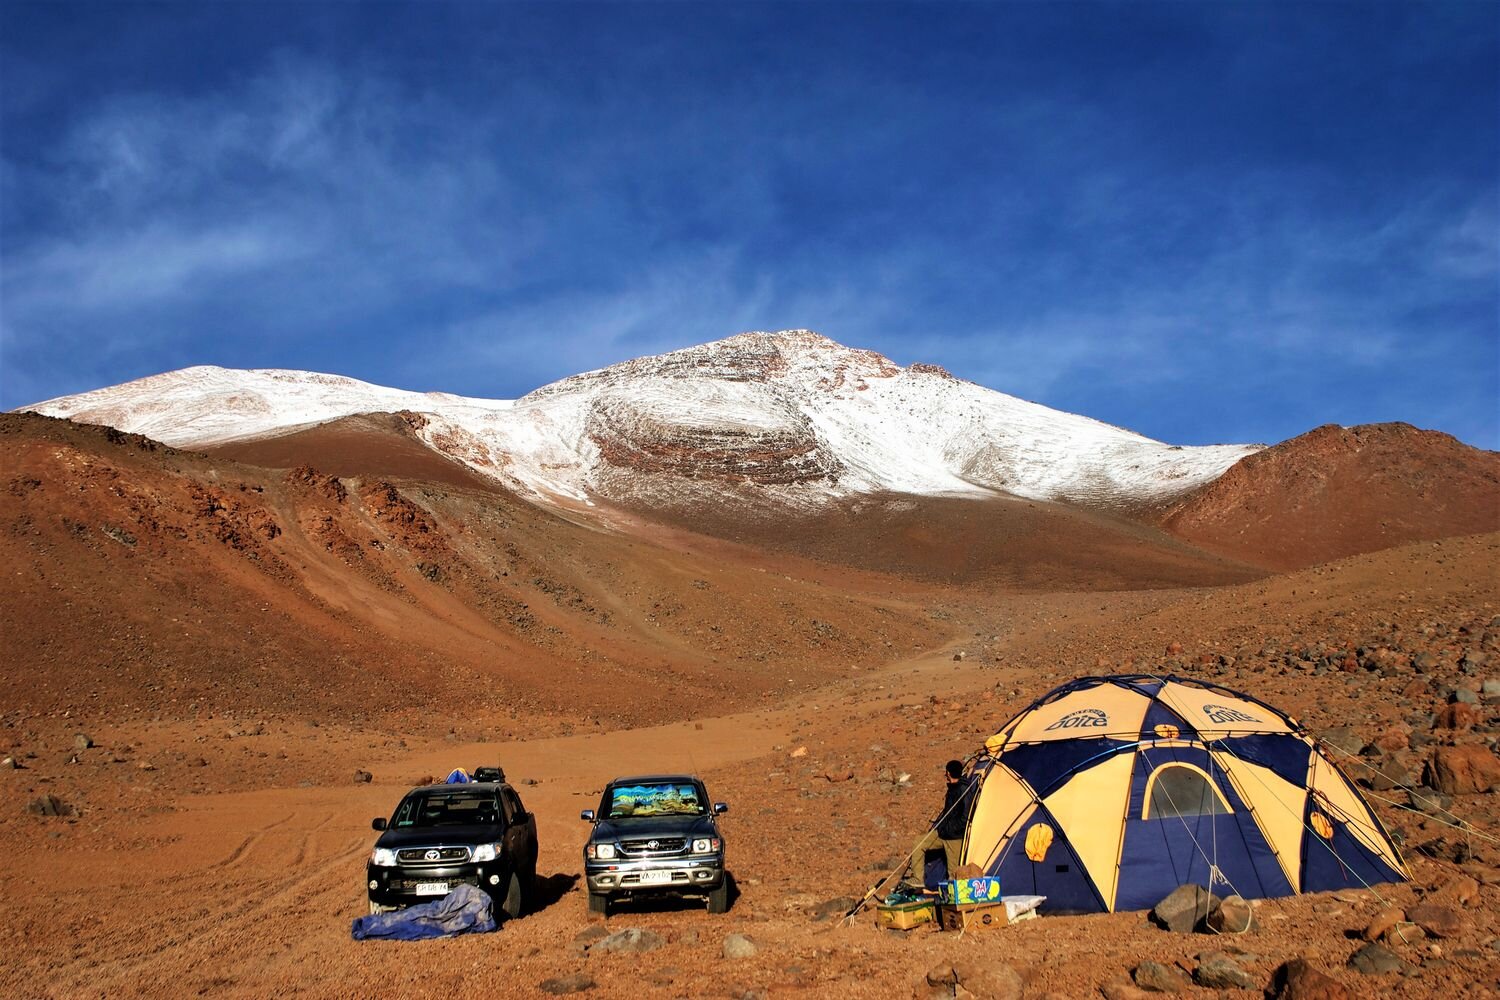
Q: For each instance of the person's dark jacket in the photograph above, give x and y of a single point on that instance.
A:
(958, 802)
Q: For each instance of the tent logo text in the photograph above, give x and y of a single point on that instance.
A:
(1222, 713)
(1084, 718)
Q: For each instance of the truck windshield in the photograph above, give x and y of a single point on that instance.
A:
(447, 808)
(664, 799)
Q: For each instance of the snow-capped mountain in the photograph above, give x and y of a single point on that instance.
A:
(792, 416)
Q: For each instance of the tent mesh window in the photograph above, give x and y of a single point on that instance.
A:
(1183, 790)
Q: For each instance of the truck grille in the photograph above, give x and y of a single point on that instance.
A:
(654, 847)
(432, 855)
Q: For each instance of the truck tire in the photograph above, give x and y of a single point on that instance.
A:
(515, 902)
(718, 899)
(599, 903)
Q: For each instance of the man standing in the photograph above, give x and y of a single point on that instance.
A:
(948, 831)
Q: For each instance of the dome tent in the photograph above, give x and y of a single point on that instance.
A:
(1109, 792)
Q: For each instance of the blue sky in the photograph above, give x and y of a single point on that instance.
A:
(1208, 222)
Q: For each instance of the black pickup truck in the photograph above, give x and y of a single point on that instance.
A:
(443, 835)
(655, 835)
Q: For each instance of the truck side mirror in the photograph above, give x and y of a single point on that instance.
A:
(587, 814)
(720, 808)
(377, 823)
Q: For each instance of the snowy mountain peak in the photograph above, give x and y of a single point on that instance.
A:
(790, 417)
(792, 356)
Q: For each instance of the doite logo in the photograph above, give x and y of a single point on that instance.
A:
(1084, 718)
(1222, 713)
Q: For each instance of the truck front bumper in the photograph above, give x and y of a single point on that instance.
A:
(689, 875)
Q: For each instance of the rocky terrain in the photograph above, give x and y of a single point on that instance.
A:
(1338, 491)
(222, 664)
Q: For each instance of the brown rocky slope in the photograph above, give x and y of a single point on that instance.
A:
(1337, 491)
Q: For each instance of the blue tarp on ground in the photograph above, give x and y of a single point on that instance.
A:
(465, 910)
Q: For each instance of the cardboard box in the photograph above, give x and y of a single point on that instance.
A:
(961, 891)
(905, 916)
(972, 916)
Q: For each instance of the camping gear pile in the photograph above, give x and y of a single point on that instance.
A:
(465, 910)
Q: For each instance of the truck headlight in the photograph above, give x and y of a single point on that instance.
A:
(705, 845)
(486, 852)
(383, 857)
(601, 852)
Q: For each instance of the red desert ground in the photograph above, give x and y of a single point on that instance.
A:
(244, 612)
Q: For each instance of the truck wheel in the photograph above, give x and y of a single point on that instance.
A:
(599, 903)
(718, 899)
(513, 900)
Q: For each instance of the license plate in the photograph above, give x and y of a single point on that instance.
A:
(432, 888)
(655, 878)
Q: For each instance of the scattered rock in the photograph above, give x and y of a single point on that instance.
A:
(1184, 908)
(82, 741)
(1159, 978)
(1232, 915)
(9, 764)
(1376, 959)
(1383, 922)
(1403, 932)
(835, 907)
(1343, 738)
(363, 777)
(574, 982)
(1428, 800)
(1123, 989)
(588, 937)
(1465, 770)
(1299, 979)
(1216, 969)
(803, 902)
(987, 978)
(49, 805)
(942, 974)
(1457, 716)
(1456, 891)
(1439, 920)
(739, 946)
(145, 765)
(631, 940)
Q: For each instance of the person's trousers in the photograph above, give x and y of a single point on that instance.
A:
(953, 851)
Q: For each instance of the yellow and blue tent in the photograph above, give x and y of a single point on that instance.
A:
(1109, 792)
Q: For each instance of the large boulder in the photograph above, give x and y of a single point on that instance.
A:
(984, 976)
(1184, 908)
(1299, 979)
(739, 946)
(1464, 770)
(1158, 978)
(1233, 915)
(1440, 920)
(1377, 959)
(1219, 971)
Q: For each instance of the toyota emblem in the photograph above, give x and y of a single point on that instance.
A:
(652, 845)
(432, 855)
